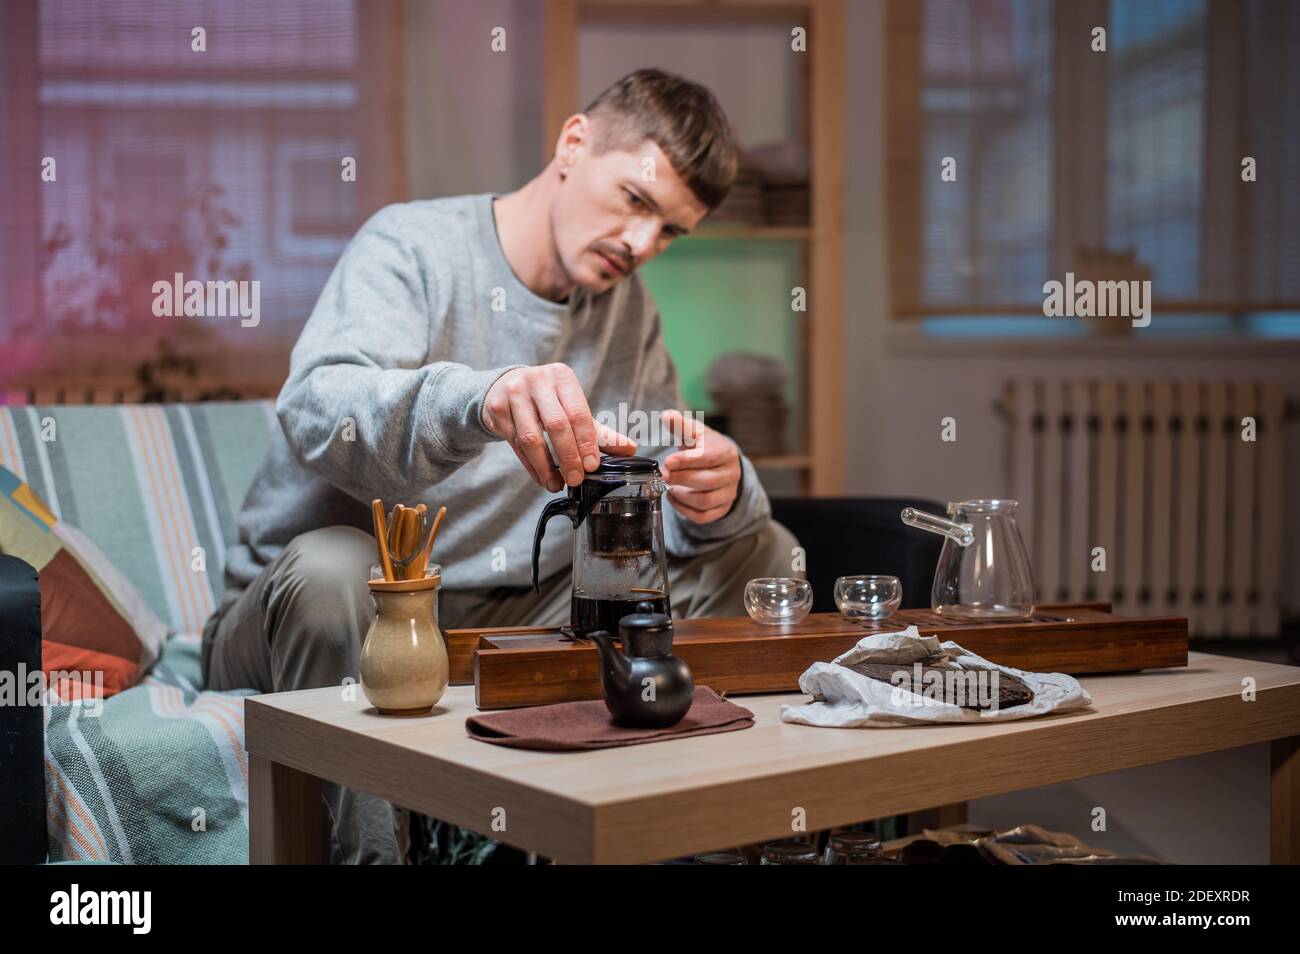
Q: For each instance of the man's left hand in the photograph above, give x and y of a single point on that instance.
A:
(705, 475)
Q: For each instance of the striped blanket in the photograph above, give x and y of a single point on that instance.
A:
(159, 774)
(148, 483)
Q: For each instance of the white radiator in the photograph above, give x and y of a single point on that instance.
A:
(1157, 474)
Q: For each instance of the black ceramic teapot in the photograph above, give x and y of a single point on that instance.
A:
(646, 686)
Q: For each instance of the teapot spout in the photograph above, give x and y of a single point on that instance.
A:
(615, 669)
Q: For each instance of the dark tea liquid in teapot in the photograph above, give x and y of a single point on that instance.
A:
(597, 612)
(618, 571)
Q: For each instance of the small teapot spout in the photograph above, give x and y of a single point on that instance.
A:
(615, 669)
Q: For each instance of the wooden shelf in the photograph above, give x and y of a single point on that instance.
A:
(820, 468)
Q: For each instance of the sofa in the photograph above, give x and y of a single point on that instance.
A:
(160, 774)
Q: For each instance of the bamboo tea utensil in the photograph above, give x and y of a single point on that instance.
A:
(405, 531)
(381, 537)
(433, 534)
(415, 522)
(422, 558)
(401, 555)
(395, 539)
(395, 533)
(398, 544)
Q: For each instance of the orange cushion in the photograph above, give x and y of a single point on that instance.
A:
(94, 625)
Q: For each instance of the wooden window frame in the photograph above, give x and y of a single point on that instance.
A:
(1080, 85)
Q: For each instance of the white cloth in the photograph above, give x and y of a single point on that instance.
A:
(846, 699)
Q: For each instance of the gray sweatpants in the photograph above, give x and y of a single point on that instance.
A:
(301, 622)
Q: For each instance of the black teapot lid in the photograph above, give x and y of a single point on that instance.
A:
(645, 621)
(645, 618)
(646, 633)
(612, 465)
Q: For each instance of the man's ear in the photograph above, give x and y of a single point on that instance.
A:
(575, 138)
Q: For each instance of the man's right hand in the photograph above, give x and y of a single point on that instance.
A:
(525, 404)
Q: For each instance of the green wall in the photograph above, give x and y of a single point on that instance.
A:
(720, 295)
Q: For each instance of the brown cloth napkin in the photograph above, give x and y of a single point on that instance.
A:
(587, 725)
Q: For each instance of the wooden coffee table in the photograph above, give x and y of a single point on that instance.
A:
(669, 799)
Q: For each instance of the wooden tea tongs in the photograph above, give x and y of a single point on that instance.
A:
(401, 553)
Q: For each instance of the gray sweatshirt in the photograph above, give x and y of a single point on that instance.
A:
(386, 383)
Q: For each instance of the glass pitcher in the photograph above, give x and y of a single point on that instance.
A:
(983, 571)
(619, 559)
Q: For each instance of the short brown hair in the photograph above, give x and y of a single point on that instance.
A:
(680, 117)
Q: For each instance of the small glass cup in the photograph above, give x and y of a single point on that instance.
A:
(868, 597)
(775, 600)
(851, 848)
(789, 853)
(721, 858)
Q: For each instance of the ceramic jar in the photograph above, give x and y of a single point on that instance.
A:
(404, 666)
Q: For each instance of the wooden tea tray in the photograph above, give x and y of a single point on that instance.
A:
(537, 665)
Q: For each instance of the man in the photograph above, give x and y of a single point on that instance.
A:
(453, 338)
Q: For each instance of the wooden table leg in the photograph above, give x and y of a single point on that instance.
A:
(1284, 801)
(286, 819)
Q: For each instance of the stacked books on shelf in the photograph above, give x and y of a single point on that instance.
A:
(771, 188)
(748, 390)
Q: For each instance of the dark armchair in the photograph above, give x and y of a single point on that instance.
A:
(844, 536)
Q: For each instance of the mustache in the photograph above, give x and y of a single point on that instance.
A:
(617, 253)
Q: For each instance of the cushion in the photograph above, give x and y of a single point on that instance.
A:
(147, 483)
(92, 619)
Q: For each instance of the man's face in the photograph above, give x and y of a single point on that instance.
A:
(617, 210)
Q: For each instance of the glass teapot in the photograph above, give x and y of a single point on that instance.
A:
(619, 560)
(983, 570)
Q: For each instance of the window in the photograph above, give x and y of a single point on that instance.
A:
(986, 105)
(1058, 152)
(219, 163)
(1156, 77)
